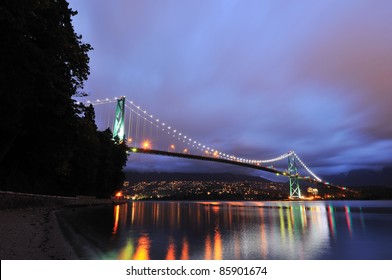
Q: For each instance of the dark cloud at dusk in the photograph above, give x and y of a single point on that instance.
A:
(251, 78)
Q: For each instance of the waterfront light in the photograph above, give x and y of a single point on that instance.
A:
(146, 145)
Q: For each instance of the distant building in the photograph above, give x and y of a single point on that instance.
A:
(312, 191)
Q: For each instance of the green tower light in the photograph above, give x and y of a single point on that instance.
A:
(295, 191)
(118, 130)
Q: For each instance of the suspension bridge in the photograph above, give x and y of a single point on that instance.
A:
(145, 134)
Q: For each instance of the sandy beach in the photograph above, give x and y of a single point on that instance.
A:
(33, 233)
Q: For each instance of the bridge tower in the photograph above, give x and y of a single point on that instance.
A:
(295, 191)
(118, 129)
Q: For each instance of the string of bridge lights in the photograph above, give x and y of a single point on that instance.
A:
(185, 139)
(306, 168)
(179, 135)
(197, 144)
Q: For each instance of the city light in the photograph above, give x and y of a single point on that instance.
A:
(146, 145)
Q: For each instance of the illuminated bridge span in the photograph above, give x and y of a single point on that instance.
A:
(146, 134)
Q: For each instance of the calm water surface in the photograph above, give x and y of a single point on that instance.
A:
(232, 230)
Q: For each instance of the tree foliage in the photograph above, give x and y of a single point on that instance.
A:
(49, 143)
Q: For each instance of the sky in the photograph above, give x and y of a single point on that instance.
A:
(253, 78)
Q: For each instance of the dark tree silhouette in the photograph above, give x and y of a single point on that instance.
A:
(49, 144)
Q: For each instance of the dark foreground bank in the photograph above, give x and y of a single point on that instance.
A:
(29, 227)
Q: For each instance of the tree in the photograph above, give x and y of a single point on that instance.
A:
(46, 135)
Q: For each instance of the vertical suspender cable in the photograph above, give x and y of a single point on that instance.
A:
(129, 141)
(131, 126)
(137, 129)
(144, 129)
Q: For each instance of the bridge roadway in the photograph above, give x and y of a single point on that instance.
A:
(232, 162)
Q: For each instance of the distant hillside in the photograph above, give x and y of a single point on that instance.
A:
(361, 177)
(364, 177)
(157, 176)
(365, 191)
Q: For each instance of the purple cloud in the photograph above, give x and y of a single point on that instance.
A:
(253, 78)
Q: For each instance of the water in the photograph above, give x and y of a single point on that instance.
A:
(232, 230)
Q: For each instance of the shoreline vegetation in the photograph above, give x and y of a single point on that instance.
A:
(44, 67)
(30, 229)
(45, 64)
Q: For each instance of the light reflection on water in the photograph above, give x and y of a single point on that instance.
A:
(235, 230)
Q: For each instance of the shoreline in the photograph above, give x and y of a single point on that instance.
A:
(30, 229)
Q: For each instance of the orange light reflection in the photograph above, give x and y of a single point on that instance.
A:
(185, 250)
(171, 251)
(116, 218)
(217, 245)
(143, 249)
(208, 249)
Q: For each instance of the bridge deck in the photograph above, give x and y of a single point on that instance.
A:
(226, 161)
(214, 159)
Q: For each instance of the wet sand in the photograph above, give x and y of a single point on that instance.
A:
(34, 233)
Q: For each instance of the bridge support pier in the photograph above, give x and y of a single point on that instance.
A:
(118, 128)
(295, 191)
